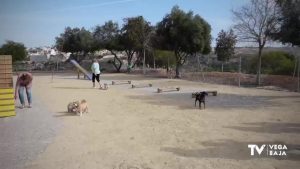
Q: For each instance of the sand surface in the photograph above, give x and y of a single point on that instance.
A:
(141, 129)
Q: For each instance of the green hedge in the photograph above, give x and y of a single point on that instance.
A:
(275, 63)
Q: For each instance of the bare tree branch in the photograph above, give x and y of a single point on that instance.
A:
(255, 22)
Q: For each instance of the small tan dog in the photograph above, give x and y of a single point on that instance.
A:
(83, 107)
(104, 86)
(78, 107)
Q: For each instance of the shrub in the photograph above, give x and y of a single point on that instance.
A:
(275, 63)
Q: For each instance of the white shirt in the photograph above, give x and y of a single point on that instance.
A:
(95, 68)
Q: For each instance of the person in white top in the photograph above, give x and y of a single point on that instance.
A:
(96, 72)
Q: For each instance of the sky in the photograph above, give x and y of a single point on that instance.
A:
(36, 23)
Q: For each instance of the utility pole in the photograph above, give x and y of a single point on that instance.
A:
(154, 62)
(168, 67)
(201, 69)
(240, 70)
(298, 72)
(198, 63)
(198, 68)
(56, 65)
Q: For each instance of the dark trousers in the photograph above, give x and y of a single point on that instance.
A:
(97, 77)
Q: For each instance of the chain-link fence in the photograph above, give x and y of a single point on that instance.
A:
(241, 71)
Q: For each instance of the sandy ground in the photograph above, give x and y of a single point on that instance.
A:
(141, 129)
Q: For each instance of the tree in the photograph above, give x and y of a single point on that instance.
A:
(225, 45)
(77, 41)
(185, 34)
(289, 26)
(108, 36)
(135, 34)
(147, 33)
(289, 31)
(255, 23)
(17, 50)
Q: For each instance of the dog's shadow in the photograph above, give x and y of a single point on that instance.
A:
(64, 114)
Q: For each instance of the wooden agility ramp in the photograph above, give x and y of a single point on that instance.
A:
(7, 102)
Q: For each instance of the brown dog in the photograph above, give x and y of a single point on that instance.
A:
(78, 107)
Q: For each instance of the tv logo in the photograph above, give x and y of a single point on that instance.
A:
(269, 149)
(253, 147)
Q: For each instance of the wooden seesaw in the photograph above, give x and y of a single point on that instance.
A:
(142, 85)
(212, 92)
(160, 90)
(120, 82)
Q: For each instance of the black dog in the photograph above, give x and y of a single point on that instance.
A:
(201, 98)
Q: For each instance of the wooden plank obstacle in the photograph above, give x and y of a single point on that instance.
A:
(7, 101)
(120, 82)
(142, 85)
(160, 90)
(212, 92)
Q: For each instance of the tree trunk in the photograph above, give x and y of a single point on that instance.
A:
(129, 60)
(77, 57)
(78, 74)
(295, 65)
(258, 75)
(178, 70)
(120, 65)
(180, 60)
(129, 65)
(118, 68)
(240, 70)
(135, 63)
(294, 53)
(222, 66)
(144, 60)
